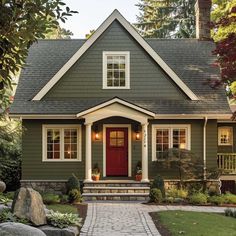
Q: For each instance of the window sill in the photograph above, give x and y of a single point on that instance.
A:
(75, 160)
(116, 88)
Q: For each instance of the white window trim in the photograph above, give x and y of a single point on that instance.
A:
(127, 68)
(232, 135)
(170, 127)
(61, 127)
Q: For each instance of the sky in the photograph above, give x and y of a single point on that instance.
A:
(93, 12)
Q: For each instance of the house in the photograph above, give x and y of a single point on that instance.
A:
(116, 99)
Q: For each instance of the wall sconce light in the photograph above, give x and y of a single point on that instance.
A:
(96, 133)
(137, 132)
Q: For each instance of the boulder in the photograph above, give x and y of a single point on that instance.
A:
(2, 186)
(53, 231)
(28, 204)
(17, 229)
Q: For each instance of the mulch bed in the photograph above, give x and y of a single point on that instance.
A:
(161, 228)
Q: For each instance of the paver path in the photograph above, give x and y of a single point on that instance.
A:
(123, 219)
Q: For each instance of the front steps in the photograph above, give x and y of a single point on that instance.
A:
(116, 190)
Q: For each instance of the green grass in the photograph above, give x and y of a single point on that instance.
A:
(196, 223)
(63, 208)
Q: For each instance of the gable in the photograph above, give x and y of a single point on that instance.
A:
(84, 78)
(115, 16)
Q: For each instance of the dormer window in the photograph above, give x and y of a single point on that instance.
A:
(116, 70)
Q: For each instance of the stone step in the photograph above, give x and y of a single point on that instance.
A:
(98, 189)
(115, 196)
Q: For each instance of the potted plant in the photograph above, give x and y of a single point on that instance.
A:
(96, 173)
(138, 170)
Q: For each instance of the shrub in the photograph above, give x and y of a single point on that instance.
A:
(212, 191)
(198, 198)
(72, 183)
(61, 220)
(229, 198)
(64, 198)
(158, 182)
(195, 187)
(217, 200)
(74, 196)
(155, 195)
(50, 198)
(177, 193)
(9, 195)
(230, 212)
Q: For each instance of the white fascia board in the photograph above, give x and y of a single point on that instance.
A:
(39, 116)
(193, 116)
(114, 100)
(115, 16)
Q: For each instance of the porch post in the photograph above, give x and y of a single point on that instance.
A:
(88, 153)
(145, 153)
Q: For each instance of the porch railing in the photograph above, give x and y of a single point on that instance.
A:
(227, 162)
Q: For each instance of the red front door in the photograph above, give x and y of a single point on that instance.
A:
(117, 151)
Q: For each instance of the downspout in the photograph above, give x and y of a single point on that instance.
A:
(204, 148)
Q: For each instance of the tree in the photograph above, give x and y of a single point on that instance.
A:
(166, 18)
(91, 32)
(224, 34)
(22, 22)
(59, 33)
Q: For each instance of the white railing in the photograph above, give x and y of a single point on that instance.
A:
(227, 162)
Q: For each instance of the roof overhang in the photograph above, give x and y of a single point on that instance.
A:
(116, 16)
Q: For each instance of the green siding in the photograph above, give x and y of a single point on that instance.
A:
(34, 169)
(84, 78)
(228, 149)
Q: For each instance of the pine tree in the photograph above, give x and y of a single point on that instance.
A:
(166, 18)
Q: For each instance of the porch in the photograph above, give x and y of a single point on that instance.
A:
(227, 162)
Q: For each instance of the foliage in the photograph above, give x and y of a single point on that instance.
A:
(22, 22)
(96, 169)
(9, 195)
(229, 198)
(64, 198)
(230, 212)
(224, 34)
(63, 208)
(72, 183)
(217, 200)
(91, 32)
(10, 152)
(61, 220)
(155, 195)
(184, 161)
(74, 196)
(59, 33)
(138, 168)
(195, 223)
(177, 193)
(50, 198)
(198, 198)
(158, 182)
(213, 191)
(166, 18)
(194, 187)
(4, 200)
(7, 216)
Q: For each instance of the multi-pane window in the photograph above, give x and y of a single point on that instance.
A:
(225, 136)
(116, 70)
(165, 137)
(117, 138)
(61, 143)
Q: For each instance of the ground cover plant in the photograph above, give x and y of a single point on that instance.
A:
(193, 223)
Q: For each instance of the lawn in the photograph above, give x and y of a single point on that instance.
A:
(193, 223)
(63, 208)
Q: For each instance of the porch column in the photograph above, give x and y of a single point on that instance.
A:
(145, 153)
(88, 153)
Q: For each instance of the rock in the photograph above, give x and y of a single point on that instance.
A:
(2, 186)
(3, 207)
(17, 229)
(28, 204)
(52, 231)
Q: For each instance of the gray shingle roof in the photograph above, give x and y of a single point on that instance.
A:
(189, 58)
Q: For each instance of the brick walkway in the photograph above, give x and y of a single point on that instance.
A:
(123, 219)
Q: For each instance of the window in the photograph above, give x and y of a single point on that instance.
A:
(165, 137)
(116, 70)
(117, 139)
(61, 143)
(225, 136)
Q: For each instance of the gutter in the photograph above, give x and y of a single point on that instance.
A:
(204, 147)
